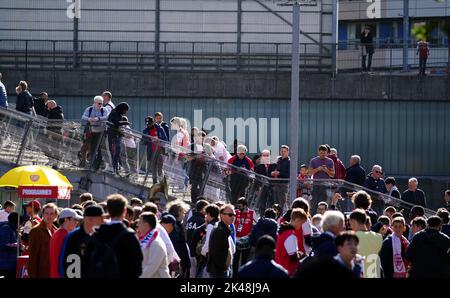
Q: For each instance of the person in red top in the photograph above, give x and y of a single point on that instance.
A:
(68, 220)
(287, 253)
(39, 244)
(424, 51)
(239, 179)
(338, 164)
(245, 218)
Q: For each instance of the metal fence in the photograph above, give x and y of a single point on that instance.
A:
(31, 55)
(27, 139)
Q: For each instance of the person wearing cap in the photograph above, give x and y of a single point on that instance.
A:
(95, 117)
(39, 245)
(68, 220)
(239, 180)
(166, 226)
(123, 242)
(154, 158)
(76, 242)
(263, 266)
(32, 209)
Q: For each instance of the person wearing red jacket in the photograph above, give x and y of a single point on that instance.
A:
(68, 220)
(287, 253)
(245, 218)
(239, 179)
(339, 167)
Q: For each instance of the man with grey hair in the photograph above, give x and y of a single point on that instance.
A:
(95, 118)
(413, 194)
(3, 95)
(333, 223)
(375, 182)
(239, 179)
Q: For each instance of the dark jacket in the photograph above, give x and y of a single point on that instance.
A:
(445, 229)
(151, 148)
(386, 256)
(283, 166)
(24, 102)
(367, 41)
(375, 185)
(115, 119)
(166, 129)
(196, 220)
(356, 175)
(428, 253)
(262, 267)
(261, 169)
(76, 243)
(264, 226)
(55, 114)
(128, 249)
(218, 249)
(8, 255)
(323, 246)
(415, 197)
(39, 107)
(197, 236)
(3, 96)
(178, 239)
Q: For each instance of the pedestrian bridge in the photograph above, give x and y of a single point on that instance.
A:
(26, 140)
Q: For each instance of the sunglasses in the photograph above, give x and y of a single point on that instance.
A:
(229, 214)
(378, 172)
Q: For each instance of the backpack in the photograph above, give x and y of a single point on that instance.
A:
(90, 111)
(103, 262)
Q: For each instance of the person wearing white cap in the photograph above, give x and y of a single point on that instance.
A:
(95, 118)
(68, 220)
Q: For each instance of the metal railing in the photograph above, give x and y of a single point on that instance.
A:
(145, 56)
(31, 55)
(26, 139)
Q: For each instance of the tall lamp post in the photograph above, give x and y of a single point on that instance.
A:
(295, 91)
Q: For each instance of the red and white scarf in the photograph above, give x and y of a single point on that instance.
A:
(147, 240)
(399, 265)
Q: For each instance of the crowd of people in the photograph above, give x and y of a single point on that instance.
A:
(116, 237)
(324, 230)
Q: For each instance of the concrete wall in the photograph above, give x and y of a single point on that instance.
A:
(355, 10)
(269, 85)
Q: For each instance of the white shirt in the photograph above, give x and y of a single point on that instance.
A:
(171, 253)
(128, 139)
(221, 153)
(291, 245)
(3, 215)
(109, 107)
(205, 247)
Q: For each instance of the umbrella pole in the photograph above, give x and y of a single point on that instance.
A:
(18, 228)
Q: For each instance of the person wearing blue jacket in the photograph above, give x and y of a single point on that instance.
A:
(3, 96)
(266, 225)
(8, 246)
(263, 266)
(154, 149)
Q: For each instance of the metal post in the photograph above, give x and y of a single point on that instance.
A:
(405, 33)
(334, 32)
(26, 60)
(294, 100)
(239, 33)
(24, 142)
(75, 42)
(157, 31)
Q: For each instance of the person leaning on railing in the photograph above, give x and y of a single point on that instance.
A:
(3, 95)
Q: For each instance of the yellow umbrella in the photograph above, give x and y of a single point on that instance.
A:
(34, 176)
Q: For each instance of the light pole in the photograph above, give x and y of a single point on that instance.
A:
(295, 92)
(405, 33)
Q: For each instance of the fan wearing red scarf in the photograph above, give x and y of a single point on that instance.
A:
(393, 251)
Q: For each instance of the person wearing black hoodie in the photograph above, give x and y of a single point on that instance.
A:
(8, 246)
(196, 220)
(122, 240)
(54, 130)
(266, 225)
(429, 252)
(24, 101)
(114, 134)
